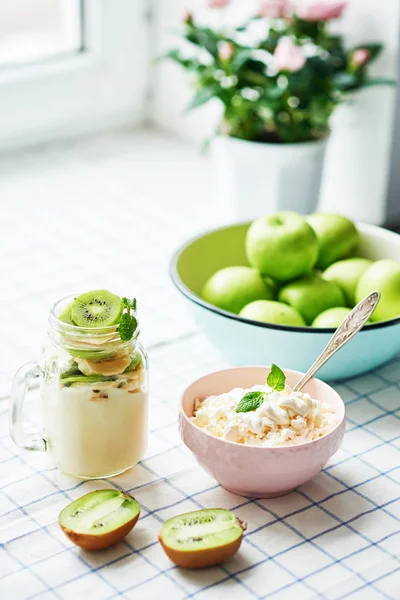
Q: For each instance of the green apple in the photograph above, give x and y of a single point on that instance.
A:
(311, 295)
(384, 276)
(346, 274)
(331, 317)
(282, 246)
(337, 237)
(268, 311)
(234, 287)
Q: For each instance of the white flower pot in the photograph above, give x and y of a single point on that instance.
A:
(255, 178)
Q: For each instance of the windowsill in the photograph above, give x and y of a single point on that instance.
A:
(167, 169)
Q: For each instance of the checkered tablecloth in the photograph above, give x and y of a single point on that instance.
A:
(336, 537)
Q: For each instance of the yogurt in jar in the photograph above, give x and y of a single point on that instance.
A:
(93, 387)
(98, 430)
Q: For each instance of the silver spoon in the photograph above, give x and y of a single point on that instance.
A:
(351, 325)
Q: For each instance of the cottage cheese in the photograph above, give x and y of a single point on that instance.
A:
(284, 418)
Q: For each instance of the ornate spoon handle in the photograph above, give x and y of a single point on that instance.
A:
(354, 321)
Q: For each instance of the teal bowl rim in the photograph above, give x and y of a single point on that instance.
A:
(187, 292)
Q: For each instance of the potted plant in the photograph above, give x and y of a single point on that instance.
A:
(279, 76)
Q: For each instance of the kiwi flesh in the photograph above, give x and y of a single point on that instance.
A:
(136, 361)
(65, 316)
(98, 308)
(74, 376)
(76, 379)
(99, 519)
(71, 372)
(92, 354)
(202, 538)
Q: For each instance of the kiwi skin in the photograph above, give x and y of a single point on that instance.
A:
(99, 542)
(207, 557)
(199, 559)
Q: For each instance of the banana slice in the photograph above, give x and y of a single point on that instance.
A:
(104, 367)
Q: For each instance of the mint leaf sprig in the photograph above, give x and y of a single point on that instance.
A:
(276, 380)
(251, 401)
(129, 303)
(128, 322)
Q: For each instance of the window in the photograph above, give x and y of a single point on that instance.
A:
(33, 31)
(70, 66)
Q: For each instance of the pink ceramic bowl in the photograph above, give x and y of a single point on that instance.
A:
(251, 470)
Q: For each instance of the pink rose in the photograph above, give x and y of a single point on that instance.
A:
(288, 56)
(360, 57)
(275, 9)
(217, 3)
(186, 16)
(226, 51)
(322, 10)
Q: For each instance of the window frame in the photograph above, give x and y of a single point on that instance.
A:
(103, 85)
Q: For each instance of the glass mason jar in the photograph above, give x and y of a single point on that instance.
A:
(94, 399)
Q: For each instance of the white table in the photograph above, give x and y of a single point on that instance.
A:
(109, 212)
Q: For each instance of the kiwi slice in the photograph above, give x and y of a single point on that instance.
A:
(92, 354)
(202, 538)
(66, 317)
(73, 380)
(73, 371)
(136, 360)
(98, 308)
(99, 519)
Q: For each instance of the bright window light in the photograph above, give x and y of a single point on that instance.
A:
(33, 31)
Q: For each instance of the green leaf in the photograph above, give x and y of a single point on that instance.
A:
(205, 38)
(203, 96)
(127, 327)
(378, 81)
(240, 58)
(208, 141)
(273, 93)
(129, 303)
(321, 65)
(276, 379)
(346, 81)
(188, 63)
(251, 401)
(173, 54)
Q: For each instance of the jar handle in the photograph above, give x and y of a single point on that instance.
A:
(23, 382)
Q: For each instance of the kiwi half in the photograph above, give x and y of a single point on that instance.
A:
(99, 519)
(201, 538)
(98, 308)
